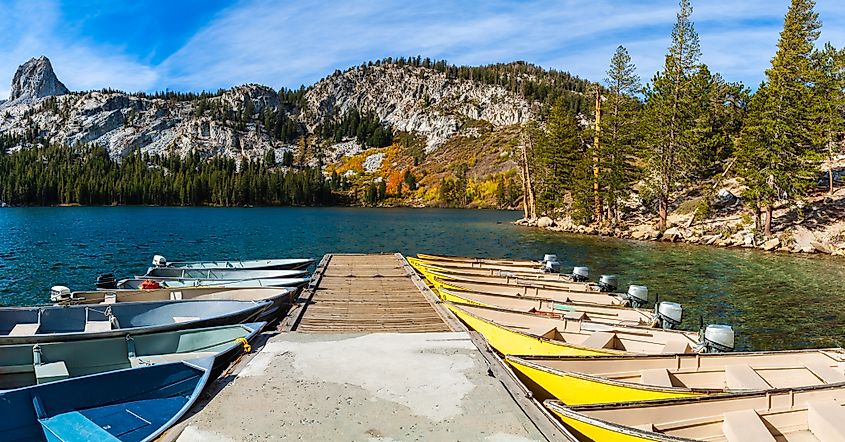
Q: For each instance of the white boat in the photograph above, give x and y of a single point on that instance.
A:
(253, 264)
(143, 283)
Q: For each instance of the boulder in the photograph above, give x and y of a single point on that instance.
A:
(803, 239)
(724, 198)
(748, 240)
(545, 221)
(672, 234)
(822, 248)
(712, 240)
(770, 244)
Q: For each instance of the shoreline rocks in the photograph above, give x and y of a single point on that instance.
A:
(798, 239)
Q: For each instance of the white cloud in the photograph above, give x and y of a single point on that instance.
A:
(31, 29)
(288, 43)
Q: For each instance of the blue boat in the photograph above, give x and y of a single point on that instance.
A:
(131, 405)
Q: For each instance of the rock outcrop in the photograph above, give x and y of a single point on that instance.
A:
(35, 79)
(415, 99)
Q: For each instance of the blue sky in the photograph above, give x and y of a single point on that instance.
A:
(211, 44)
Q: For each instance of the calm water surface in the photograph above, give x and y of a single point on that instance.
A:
(773, 301)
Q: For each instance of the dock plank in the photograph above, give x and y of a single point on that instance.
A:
(367, 293)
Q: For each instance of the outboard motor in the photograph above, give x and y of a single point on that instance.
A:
(549, 257)
(580, 274)
(106, 281)
(159, 261)
(551, 266)
(716, 338)
(608, 283)
(59, 293)
(637, 295)
(668, 315)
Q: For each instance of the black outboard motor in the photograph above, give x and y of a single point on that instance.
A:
(106, 281)
(608, 283)
(580, 274)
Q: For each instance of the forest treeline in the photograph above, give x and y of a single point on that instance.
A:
(687, 125)
(56, 174)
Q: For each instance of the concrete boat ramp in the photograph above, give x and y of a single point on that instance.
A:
(367, 354)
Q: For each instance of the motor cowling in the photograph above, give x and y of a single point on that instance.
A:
(106, 281)
(59, 293)
(717, 338)
(551, 267)
(549, 257)
(637, 295)
(580, 274)
(608, 283)
(668, 314)
(159, 261)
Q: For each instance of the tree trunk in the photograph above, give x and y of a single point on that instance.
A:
(757, 223)
(663, 212)
(596, 194)
(768, 226)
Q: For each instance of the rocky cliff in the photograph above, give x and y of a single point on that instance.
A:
(35, 79)
(413, 99)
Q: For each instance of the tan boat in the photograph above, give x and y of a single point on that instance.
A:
(532, 275)
(519, 292)
(527, 283)
(515, 266)
(512, 332)
(800, 414)
(595, 380)
(553, 309)
(474, 260)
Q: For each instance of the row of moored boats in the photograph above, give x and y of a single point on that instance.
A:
(126, 361)
(610, 369)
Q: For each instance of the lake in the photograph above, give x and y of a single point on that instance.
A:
(773, 301)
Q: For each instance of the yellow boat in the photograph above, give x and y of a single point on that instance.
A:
(551, 308)
(596, 380)
(598, 298)
(512, 332)
(799, 414)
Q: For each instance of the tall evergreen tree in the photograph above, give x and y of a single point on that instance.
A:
(619, 129)
(776, 146)
(559, 151)
(829, 110)
(669, 112)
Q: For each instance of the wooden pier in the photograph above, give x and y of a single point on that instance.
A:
(368, 353)
(365, 293)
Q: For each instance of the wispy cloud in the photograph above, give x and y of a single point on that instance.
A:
(31, 29)
(290, 43)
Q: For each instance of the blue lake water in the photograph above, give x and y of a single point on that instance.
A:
(773, 301)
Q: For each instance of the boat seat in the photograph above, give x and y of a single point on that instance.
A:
(575, 316)
(97, 326)
(745, 426)
(545, 332)
(109, 298)
(743, 377)
(143, 361)
(74, 426)
(24, 329)
(176, 295)
(181, 319)
(826, 420)
(54, 371)
(600, 340)
(676, 346)
(825, 372)
(656, 376)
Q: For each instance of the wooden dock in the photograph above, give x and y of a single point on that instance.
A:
(368, 353)
(353, 293)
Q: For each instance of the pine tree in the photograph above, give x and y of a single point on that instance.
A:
(559, 151)
(829, 111)
(776, 147)
(619, 129)
(669, 112)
